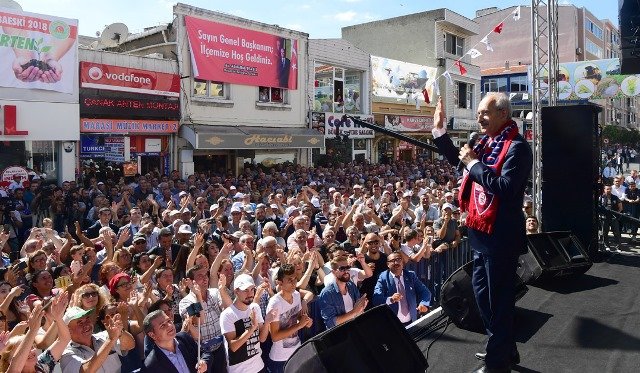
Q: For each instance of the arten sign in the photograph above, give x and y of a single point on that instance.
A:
(38, 51)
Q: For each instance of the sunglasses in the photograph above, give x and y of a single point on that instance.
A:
(91, 294)
(344, 268)
(394, 260)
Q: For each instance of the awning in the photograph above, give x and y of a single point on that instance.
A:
(247, 137)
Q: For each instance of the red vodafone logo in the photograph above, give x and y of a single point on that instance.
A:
(95, 73)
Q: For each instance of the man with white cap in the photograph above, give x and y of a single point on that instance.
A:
(243, 328)
(98, 352)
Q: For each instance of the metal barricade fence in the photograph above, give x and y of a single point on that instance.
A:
(433, 272)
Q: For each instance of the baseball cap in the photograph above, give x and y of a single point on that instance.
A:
(235, 209)
(185, 228)
(183, 193)
(74, 313)
(332, 189)
(174, 212)
(238, 195)
(243, 282)
(213, 207)
(139, 237)
(448, 194)
(233, 187)
(291, 209)
(448, 206)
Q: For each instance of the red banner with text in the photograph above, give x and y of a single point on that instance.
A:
(230, 54)
(117, 78)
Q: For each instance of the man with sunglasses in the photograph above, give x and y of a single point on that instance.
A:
(340, 301)
(401, 290)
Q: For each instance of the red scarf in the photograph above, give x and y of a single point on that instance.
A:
(481, 204)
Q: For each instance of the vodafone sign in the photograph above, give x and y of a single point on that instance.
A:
(116, 78)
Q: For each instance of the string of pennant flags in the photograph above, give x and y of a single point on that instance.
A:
(473, 53)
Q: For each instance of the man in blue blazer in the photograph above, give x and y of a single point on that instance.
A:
(333, 308)
(492, 192)
(172, 352)
(401, 290)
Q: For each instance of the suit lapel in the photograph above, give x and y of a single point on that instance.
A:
(164, 361)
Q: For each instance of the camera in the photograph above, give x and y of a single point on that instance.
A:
(194, 309)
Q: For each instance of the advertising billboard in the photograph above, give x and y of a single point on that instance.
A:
(124, 79)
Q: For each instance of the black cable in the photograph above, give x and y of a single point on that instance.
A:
(434, 341)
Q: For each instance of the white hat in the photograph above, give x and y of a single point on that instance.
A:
(213, 207)
(291, 209)
(183, 193)
(232, 187)
(185, 228)
(273, 206)
(74, 313)
(448, 206)
(174, 212)
(235, 209)
(238, 195)
(357, 186)
(243, 282)
(332, 189)
(313, 183)
(407, 194)
(448, 194)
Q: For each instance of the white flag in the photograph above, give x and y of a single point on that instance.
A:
(448, 76)
(474, 53)
(436, 88)
(516, 13)
(486, 42)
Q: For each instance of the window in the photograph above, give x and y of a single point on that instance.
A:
(495, 85)
(594, 49)
(454, 44)
(518, 84)
(337, 89)
(595, 30)
(271, 94)
(463, 95)
(208, 88)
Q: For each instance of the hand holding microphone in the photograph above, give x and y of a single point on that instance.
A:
(466, 152)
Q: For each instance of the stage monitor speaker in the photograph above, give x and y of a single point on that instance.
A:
(375, 341)
(629, 20)
(570, 171)
(551, 255)
(459, 303)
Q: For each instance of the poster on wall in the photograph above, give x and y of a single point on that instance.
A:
(230, 54)
(37, 51)
(406, 123)
(114, 149)
(590, 80)
(402, 81)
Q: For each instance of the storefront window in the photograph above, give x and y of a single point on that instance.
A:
(40, 156)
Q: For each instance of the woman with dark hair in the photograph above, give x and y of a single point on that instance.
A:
(37, 261)
(41, 284)
(9, 305)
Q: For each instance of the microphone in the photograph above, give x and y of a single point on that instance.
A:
(473, 137)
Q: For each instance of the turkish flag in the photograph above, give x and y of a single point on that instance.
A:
(498, 29)
(462, 69)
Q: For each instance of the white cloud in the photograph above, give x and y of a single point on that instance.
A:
(345, 16)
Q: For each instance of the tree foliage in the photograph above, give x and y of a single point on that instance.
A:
(621, 135)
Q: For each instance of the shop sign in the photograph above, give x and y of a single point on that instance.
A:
(91, 146)
(231, 54)
(125, 79)
(463, 124)
(38, 121)
(10, 121)
(346, 126)
(9, 172)
(406, 123)
(38, 37)
(127, 126)
(114, 149)
(133, 107)
(258, 141)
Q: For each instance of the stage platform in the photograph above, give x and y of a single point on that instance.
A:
(587, 324)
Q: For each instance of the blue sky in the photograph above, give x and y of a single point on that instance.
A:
(318, 18)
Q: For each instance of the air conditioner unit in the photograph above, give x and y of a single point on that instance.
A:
(578, 51)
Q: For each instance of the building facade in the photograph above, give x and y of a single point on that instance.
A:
(435, 40)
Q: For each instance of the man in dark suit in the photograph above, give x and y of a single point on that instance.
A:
(401, 290)
(172, 352)
(492, 193)
(104, 220)
(283, 66)
(166, 248)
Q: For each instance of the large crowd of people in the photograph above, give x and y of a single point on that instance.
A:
(216, 272)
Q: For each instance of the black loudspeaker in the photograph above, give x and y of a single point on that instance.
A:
(551, 255)
(629, 18)
(459, 303)
(570, 172)
(373, 342)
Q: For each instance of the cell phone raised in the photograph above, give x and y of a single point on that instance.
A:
(21, 265)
